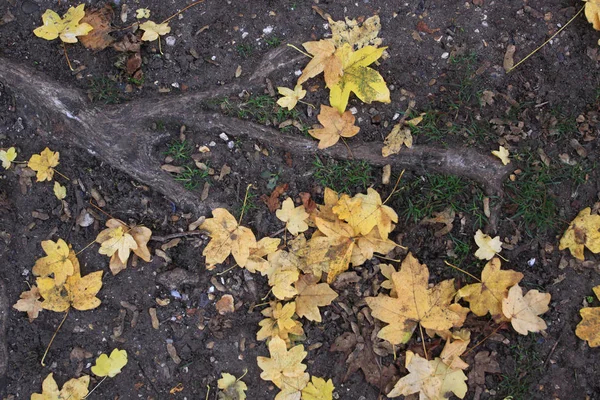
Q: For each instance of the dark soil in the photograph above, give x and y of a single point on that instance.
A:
(543, 106)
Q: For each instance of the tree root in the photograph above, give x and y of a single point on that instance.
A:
(120, 135)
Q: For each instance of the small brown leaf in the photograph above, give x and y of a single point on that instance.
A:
(509, 61)
(272, 201)
(225, 304)
(99, 38)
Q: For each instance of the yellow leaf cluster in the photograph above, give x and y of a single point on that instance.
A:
(73, 389)
(118, 240)
(584, 231)
(589, 327)
(67, 27)
(111, 365)
(44, 164)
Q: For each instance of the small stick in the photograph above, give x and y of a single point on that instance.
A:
(208, 391)
(63, 175)
(101, 210)
(547, 41)
(395, 186)
(85, 248)
(166, 238)
(67, 56)
(53, 336)
(423, 341)
(297, 49)
(348, 147)
(226, 271)
(244, 205)
(485, 338)
(462, 270)
(95, 387)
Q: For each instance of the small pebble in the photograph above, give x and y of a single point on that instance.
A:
(170, 40)
(445, 55)
(268, 30)
(230, 144)
(244, 35)
(224, 136)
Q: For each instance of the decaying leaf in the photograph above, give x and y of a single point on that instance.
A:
(57, 262)
(487, 296)
(280, 322)
(433, 379)
(67, 28)
(358, 78)
(445, 217)
(395, 139)
(311, 296)
(488, 246)
(502, 153)
(290, 97)
(584, 230)
(73, 389)
(454, 348)
(110, 365)
(418, 304)
(318, 389)
(152, 30)
(324, 60)
(30, 303)
(231, 388)
(284, 368)
(484, 363)
(272, 201)
(7, 157)
(227, 237)
(523, 311)
(589, 327)
(350, 32)
(44, 164)
(99, 19)
(336, 124)
(294, 217)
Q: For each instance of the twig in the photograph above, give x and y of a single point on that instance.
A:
(423, 341)
(67, 56)
(53, 336)
(462, 270)
(166, 238)
(95, 387)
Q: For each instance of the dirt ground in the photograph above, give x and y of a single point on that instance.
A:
(446, 56)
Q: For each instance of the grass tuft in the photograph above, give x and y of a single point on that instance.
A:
(342, 176)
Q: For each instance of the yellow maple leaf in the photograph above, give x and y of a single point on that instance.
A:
(152, 30)
(592, 13)
(502, 153)
(340, 245)
(369, 244)
(290, 97)
(294, 217)
(77, 292)
(364, 212)
(318, 389)
(454, 348)
(60, 191)
(433, 379)
(279, 322)
(110, 366)
(589, 327)
(358, 78)
(324, 60)
(335, 125)
(7, 157)
(264, 247)
(523, 311)
(118, 240)
(395, 139)
(227, 237)
(311, 296)
(487, 295)
(283, 272)
(44, 164)
(58, 261)
(284, 368)
(418, 304)
(73, 389)
(488, 246)
(29, 303)
(584, 230)
(67, 27)
(231, 388)
(350, 32)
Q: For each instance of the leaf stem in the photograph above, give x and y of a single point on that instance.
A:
(227, 270)
(67, 56)
(308, 104)
(61, 174)
(244, 205)
(182, 10)
(462, 270)
(301, 51)
(95, 387)
(485, 338)
(53, 336)
(85, 248)
(395, 186)
(423, 341)
(207, 392)
(547, 41)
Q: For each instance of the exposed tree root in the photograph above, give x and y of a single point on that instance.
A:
(121, 136)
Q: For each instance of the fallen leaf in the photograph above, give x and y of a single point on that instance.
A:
(67, 27)
(365, 212)
(350, 32)
(7, 157)
(29, 303)
(294, 217)
(487, 296)
(386, 174)
(77, 292)
(152, 30)
(358, 78)
(44, 164)
(284, 368)
(311, 296)
(454, 348)
(484, 362)
(588, 329)
(487, 98)
(280, 322)
(592, 13)
(116, 240)
(290, 97)
(523, 311)
(60, 191)
(318, 389)
(231, 388)
(73, 389)
(272, 201)
(309, 204)
(227, 237)
(324, 60)
(509, 61)
(225, 305)
(142, 13)
(584, 230)
(335, 125)
(422, 27)
(129, 43)
(99, 19)
(488, 246)
(264, 247)
(110, 365)
(58, 261)
(445, 217)
(395, 139)
(502, 153)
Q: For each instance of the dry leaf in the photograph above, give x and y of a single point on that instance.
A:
(73, 389)
(502, 153)
(99, 19)
(7, 157)
(29, 303)
(272, 201)
(311, 296)
(592, 13)
(77, 292)
(152, 30)
(324, 60)
(350, 32)
(44, 164)
(335, 125)
(225, 305)
(284, 368)
(110, 365)
(294, 217)
(588, 329)
(488, 246)
(280, 322)
(509, 61)
(395, 139)
(584, 230)
(523, 311)
(318, 389)
(59, 261)
(365, 212)
(445, 217)
(290, 97)
(231, 388)
(59, 191)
